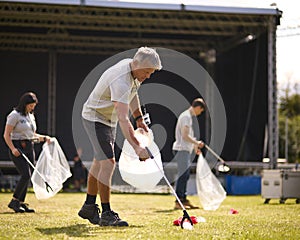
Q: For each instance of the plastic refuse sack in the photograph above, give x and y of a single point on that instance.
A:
(210, 191)
(54, 167)
(143, 175)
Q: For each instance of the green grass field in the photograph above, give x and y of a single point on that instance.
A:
(151, 216)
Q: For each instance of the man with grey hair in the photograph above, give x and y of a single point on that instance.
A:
(114, 95)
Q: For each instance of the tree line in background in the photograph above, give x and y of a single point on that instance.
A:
(289, 126)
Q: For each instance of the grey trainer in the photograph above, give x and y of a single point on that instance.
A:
(90, 212)
(110, 218)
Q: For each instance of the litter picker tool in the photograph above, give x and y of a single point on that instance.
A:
(222, 167)
(42, 177)
(185, 214)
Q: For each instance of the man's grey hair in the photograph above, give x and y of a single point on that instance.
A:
(147, 57)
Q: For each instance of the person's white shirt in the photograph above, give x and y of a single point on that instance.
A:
(115, 84)
(184, 119)
(24, 126)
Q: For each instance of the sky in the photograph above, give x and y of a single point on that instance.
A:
(288, 50)
(288, 35)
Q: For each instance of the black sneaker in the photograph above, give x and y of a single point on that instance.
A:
(90, 212)
(26, 208)
(110, 218)
(15, 205)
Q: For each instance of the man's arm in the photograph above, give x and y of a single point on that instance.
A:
(135, 108)
(185, 135)
(122, 110)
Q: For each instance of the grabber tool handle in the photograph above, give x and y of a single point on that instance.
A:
(149, 152)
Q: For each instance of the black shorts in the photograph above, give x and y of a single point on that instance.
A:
(102, 138)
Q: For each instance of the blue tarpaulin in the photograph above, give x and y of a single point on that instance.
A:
(243, 185)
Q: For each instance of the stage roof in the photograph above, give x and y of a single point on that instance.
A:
(108, 27)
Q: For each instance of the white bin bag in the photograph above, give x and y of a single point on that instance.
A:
(143, 175)
(210, 191)
(54, 167)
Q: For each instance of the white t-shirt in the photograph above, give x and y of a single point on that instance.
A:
(184, 119)
(115, 85)
(24, 126)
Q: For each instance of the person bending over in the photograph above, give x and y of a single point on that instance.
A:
(108, 104)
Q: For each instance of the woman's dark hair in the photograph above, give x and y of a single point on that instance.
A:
(26, 98)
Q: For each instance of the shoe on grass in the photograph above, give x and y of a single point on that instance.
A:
(177, 206)
(187, 204)
(16, 206)
(110, 218)
(90, 212)
(26, 208)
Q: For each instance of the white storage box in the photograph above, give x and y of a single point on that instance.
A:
(280, 184)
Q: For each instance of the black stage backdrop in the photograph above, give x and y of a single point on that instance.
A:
(240, 75)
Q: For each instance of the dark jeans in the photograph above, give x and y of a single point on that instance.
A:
(23, 167)
(183, 159)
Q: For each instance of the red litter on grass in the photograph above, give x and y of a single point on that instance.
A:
(233, 211)
(177, 222)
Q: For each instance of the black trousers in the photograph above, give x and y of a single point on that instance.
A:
(23, 167)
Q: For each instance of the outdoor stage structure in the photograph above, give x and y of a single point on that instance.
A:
(50, 48)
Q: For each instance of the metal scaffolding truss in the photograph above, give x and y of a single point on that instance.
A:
(195, 31)
(108, 30)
